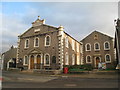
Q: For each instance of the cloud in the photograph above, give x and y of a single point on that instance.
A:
(78, 19)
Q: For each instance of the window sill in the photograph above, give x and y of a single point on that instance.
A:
(108, 62)
(36, 46)
(88, 50)
(106, 49)
(97, 50)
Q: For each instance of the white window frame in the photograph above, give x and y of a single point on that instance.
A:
(106, 60)
(86, 46)
(73, 59)
(66, 42)
(49, 41)
(66, 59)
(90, 59)
(95, 47)
(78, 59)
(35, 42)
(73, 44)
(24, 60)
(108, 44)
(45, 60)
(28, 43)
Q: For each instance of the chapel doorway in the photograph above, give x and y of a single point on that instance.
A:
(97, 60)
(32, 62)
(38, 61)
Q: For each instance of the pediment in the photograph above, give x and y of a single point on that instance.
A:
(35, 51)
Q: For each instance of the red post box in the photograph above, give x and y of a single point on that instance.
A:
(65, 70)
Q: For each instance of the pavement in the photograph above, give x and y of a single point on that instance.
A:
(26, 77)
(37, 77)
(37, 80)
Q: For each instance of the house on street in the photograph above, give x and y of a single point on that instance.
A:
(8, 58)
(47, 47)
(98, 48)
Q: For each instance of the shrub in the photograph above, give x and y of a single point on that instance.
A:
(88, 67)
(85, 67)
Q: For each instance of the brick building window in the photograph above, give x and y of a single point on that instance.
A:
(36, 42)
(47, 60)
(66, 42)
(27, 43)
(88, 59)
(96, 46)
(107, 58)
(73, 45)
(106, 45)
(73, 59)
(88, 47)
(66, 59)
(25, 62)
(47, 40)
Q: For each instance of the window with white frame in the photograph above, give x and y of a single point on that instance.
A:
(96, 46)
(36, 42)
(88, 47)
(107, 58)
(47, 60)
(66, 42)
(106, 45)
(77, 47)
(73, 59)
(78, 59)
(47, 40)
(25, 60)
(73, 44)
(66, 59)
(27, 43)
(88, 59)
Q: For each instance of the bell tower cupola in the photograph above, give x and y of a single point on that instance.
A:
(38, 22)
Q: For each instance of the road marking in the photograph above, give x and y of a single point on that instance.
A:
(25, 79)
(70, 85)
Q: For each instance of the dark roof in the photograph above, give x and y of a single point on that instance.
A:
(51, 27)
(97, 32)
(72, 37)
(37, 26)
(11, 53)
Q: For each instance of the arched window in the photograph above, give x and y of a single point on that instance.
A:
(73, 45)
(106, 45)
(88, 59)
(47, 60)
(36, 42)
(107, 58)
(88, 47)
(78, 60)
(66, 59)
(27, 43)
(66, 42)
(25, 60)
(73, 59)
(97, 46)
(47, 40)
(54, 59)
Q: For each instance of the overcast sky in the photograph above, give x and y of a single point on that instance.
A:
(79, 19)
